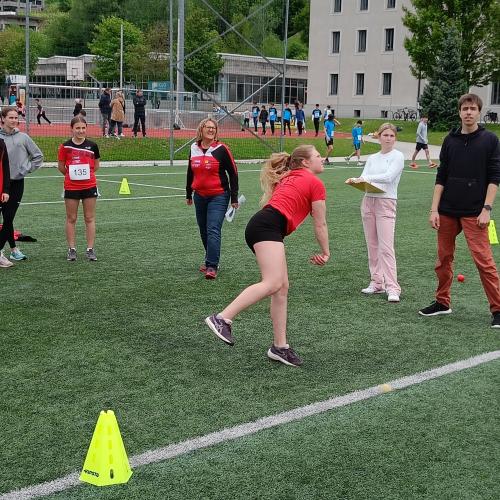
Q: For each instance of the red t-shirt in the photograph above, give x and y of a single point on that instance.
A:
(294, 195)
(80, 164)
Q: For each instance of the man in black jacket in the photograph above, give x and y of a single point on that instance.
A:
(105, 108)
(139, 103)
(466, 185)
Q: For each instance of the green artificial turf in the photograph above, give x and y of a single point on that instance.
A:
(127, 333)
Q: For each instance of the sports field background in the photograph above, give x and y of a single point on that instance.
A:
(127, 333)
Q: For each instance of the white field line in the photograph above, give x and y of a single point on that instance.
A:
(108, 199)
(238, 431)
(145, 185)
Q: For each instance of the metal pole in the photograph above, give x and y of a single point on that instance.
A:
(27, 63)
(171, 78)
(121, 56)
(180, 55)
(285, 47)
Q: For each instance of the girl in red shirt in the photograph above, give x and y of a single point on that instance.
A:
(78, 160)
(292, 191)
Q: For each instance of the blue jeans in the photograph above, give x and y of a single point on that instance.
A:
(210, 211)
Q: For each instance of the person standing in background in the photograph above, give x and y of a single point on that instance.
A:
(316, 116)
(300, 118)
(4, 196)
(273, 115)
(117, 114)
(139, 103)
(78, 107)
(105, 109)
(287, 118)
(255, 115)
(263, 119)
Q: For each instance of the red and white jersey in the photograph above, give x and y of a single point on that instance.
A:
(212, 172)
(80, 164)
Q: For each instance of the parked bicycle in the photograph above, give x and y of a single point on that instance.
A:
(405, 114)
(490, 117)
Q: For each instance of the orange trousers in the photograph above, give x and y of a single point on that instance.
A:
(480, 249)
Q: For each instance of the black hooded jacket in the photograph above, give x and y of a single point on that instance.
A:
(468, 163)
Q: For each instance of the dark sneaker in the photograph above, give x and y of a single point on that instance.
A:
(71, 256)
(285, 356)
(434, 309)
(211, 273)
(220, 328)
(90, 254)
(495, 322)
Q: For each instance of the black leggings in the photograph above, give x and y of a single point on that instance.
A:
(9, 210)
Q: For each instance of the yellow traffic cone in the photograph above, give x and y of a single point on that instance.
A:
(492, 233)
(106, 462)
(124, 187)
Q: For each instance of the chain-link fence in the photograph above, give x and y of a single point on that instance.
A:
(195, 59)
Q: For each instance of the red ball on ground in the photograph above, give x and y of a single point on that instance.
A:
(461, 278)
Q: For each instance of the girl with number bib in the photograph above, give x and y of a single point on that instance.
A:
(78, 160)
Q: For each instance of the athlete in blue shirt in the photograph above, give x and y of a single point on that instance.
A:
(329, 133)
(357, 140)
(255, 115)
(316, 116)
(273, 115)
(287, 117)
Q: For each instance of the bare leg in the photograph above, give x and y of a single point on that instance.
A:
(89, 216)
(272, 264)
(71, 216)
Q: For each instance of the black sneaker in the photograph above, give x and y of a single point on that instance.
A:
(285, 356)
(90, 254)
(71, 256)
(220, 328)
(495, 322)
(434, 309)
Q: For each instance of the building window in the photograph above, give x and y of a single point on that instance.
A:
(335, 42)
(360, 83)
(357, 113)
(389, 39)
(386, 83)
(391, 4)
(334, 84)
(337, 6)
(363, 4)
(362, 41)
(495, 93)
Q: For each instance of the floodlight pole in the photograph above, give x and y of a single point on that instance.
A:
(180, 57)
(121, 56)
(283, 86)
(171, 78)
(27, 63)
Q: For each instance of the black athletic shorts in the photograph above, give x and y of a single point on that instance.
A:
(266, 225)
(81, 194)
(421, 145)
(329, 142)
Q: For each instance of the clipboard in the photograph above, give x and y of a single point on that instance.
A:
(366, 187)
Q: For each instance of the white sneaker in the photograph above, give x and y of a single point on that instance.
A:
(392, 297)
(370, 290)
(359, 164)
(347, 159)
(4, 261)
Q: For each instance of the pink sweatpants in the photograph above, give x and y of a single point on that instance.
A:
(379, 221)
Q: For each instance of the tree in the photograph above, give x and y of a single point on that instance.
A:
(477, 24)
(13, 50)
(206, 64)
(447, 84)
(106, 47)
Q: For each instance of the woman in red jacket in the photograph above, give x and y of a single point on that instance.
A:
(292, 191)
(213, 177)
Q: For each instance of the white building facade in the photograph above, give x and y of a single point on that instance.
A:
(357, 61)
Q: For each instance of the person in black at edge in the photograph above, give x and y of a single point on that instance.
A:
(139, 102)
(213, 176)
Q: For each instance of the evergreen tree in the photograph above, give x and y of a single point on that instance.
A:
(447, 84)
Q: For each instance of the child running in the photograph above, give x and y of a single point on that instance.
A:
(357, 140)
(329, 135)
(292, 191)
(78, 160)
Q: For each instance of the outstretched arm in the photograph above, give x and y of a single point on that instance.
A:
(321, 232)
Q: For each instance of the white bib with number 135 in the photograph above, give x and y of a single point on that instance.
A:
(79, 172)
